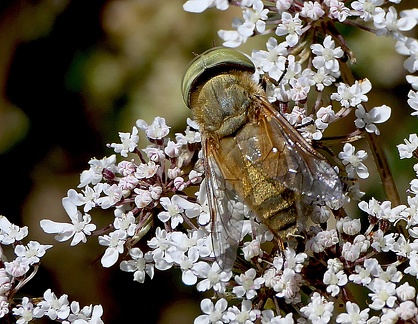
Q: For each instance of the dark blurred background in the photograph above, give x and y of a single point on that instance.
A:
(72, 74)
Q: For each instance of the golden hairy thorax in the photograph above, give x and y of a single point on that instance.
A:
(223, 103)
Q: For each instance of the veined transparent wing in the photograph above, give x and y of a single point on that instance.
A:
(274, 146)
(223, 187)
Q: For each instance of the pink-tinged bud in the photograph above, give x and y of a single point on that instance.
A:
(195, 177)
(173, 173)
(179, 183)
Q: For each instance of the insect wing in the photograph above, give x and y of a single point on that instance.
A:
(277, 148)
(226, 209)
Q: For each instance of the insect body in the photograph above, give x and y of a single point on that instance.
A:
(255, 161)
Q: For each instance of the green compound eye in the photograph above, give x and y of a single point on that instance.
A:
(212, 62)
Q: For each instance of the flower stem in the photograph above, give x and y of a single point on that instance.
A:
(376, 147)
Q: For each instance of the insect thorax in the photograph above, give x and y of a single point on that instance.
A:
(222, 104)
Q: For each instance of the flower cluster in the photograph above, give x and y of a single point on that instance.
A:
(16, 273)
(162, 218)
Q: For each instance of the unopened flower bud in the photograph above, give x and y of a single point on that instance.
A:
(179, 183)
(108, 175)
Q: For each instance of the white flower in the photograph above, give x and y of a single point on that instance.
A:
(246, 315)
(214, 277)
(327, 55)
(232, 38)
(367, 120)
(353, 161)
(334, 281)
(413, 81)
(294, 260)
(299, 88)
(247, 284)
(113, 194)
(405, 292)
(372, 207)
(5, 282)
(115, 243)
(267, 317)
(254, 19)
(198, 6)
(283, 5)
(79, 228)
(414, 186)
(310, 131)
(189, 136)
(383, 294)
(32, 251)
(174, 173)
(350, 252)
(388, 213)
(382, 242)
(312, 10)
(186, 263)
(153, 153)
(407, 310)
(351, 96)
(288, 286)
(361, 277)
(324, 78)
(388, 23)
(179, 184)
(156, 131)
(391, 274)
(252, 249)
(388, 316)
(408, 46)
(335, 265)
(25, 311)
(349, 226)
(290, 26)
(75, 199)
(272, 61)
(174, 210)
(328, 238)
(406, 150)
(53, 307)
(129, 142)
(322, 240)
(325, 116)
(139, 264)
(10, 233)
(320, 214)
(161, 243)
(4, 309)
(146, 171)
(366, 9)
(18, 267)
(338, 10)
(143, 197)
(95, 174)
(412, 269)
(413, 101)
(353, 315)
(86, 315)
(126, 222)
(195, 177)
(214, 313)
(173, 149)
(319, 310)
(294, 70)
